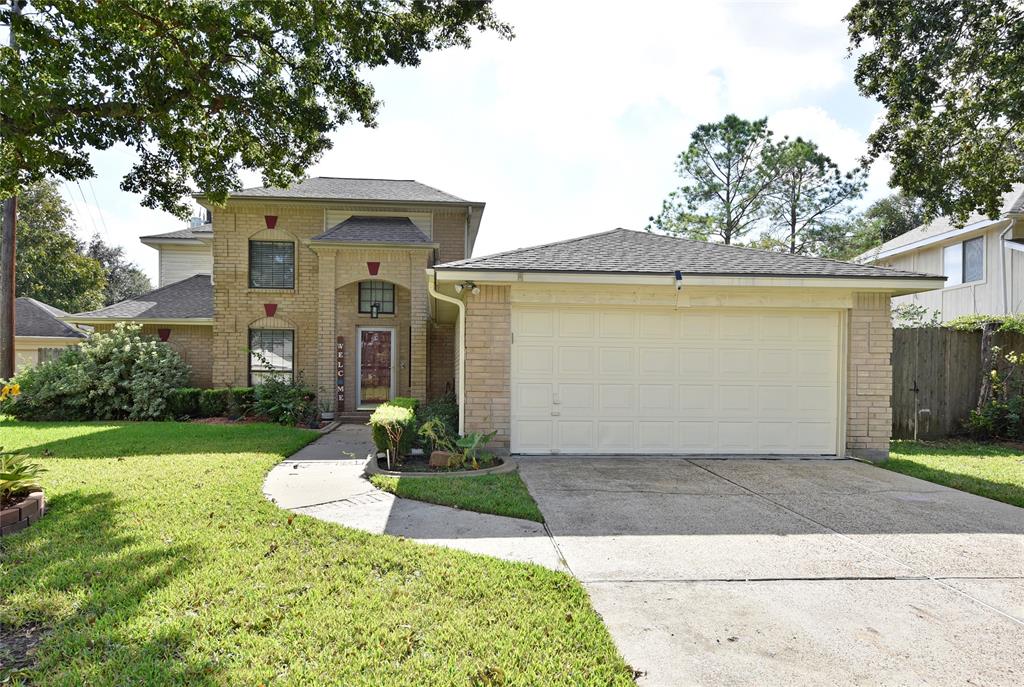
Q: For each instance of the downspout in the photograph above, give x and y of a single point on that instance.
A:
(460, 340)
(1002, 264)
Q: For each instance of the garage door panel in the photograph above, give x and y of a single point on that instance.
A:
(657, 361)
(662, 380)
(618, 324)
(697, 363)
(656, 400)
(576, 400)
(616, 361)
(615, 437)
(616, 399)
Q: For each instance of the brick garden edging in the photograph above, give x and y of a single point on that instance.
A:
(22, 514)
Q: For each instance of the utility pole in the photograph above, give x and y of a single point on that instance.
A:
(8, 241)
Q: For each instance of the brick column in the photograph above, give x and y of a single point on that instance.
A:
(419, 318)
(869, 378)
(488, 401)
(326, 330)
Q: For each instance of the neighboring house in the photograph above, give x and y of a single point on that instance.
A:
(983, 261)
(39, 333)
(630, 342)
(621, 342)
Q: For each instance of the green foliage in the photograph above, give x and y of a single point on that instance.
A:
(18, 477)
(190, 402)
(808, 192)
(50, 265)
(264, 82)
(124, 279)
(974, 323)
(444, 408)
(393, 429)
(895, 215)
(405, 402)
(435, 435)
(726, 171)
(284, 400)
(911, 315)
(113, 375)
(948, 77)
(472, 446)
(998, 419)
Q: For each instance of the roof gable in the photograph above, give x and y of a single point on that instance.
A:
(624, 251)
(357, 229)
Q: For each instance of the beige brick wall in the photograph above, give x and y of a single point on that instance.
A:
(192, 342)
(450, 232)
(869, 377)
(441, 370)
(235, 305)
(488, 402)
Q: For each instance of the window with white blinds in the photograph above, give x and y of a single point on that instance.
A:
(271, 354)
(271, 265)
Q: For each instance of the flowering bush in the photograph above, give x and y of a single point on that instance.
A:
(114, 375)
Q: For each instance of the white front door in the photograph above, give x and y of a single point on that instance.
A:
(598, 379)
(375, 366)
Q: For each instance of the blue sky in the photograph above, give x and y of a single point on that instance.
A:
(573, 127)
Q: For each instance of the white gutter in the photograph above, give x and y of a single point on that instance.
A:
(1002, 264)
(460, 340)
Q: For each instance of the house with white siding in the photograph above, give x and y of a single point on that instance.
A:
(982, 260)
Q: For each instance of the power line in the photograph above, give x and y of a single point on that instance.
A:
(99, 208)
(85, 204)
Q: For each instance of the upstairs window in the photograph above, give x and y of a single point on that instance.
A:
(271, 354)
(964, 262)
(271, 265)
(380, 292)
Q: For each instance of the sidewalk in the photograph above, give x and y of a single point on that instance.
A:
(325, 480)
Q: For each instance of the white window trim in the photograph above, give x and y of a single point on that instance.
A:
(984, 263)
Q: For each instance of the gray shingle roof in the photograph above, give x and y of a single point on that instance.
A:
(375, 230)
(185, 299)
(340, 188)
(190, 233)
(34, 318)
(624, 251)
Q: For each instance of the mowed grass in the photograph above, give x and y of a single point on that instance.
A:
(995, 471)
(160, 563)
(502, 494)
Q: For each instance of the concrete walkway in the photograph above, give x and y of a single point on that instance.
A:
(325, 480)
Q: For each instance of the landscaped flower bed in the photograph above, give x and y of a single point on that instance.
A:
(21, 513)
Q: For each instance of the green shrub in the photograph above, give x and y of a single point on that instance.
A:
(998, 419)
(18, 477)
(286, 401)
(113, 375)
(233, 402)
(974, 323)
(405, 402)
(394, 427)
(444, 409)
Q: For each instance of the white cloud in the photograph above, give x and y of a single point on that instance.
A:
(573, 127)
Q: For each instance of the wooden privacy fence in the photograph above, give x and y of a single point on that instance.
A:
(936, 373)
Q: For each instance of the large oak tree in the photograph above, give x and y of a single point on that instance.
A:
(200, 90)
(949, 75)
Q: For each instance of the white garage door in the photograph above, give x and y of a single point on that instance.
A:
(666, 380)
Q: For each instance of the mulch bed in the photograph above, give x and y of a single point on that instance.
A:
(422, 464)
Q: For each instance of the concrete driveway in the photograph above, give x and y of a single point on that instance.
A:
(729, 572)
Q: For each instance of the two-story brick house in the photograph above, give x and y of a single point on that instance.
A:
(616, 342)
(326, 279)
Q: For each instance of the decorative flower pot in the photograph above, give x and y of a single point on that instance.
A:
(327, 415)
(20, 515)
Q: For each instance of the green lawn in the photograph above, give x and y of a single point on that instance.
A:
(503, 494)
(992, 470)
(160, 562)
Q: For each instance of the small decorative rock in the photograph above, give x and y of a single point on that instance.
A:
(440, 459)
